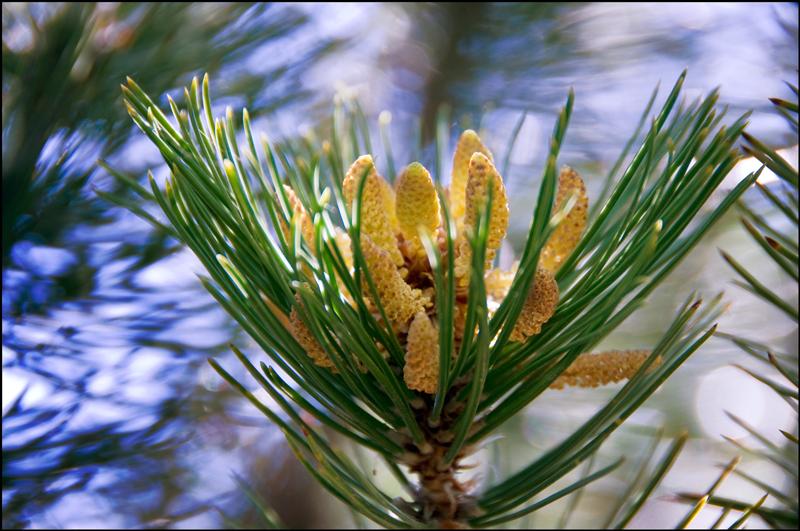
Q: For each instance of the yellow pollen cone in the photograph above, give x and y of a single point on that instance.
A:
(421, 372)
(498, 282)
(399, 301)
(601, 368)
(375, 221)
(481, 172)
(307, 340)
(468, 144)
(539, 306)
(306, 225)
(342, 240)
(568, 233)
(417, 204)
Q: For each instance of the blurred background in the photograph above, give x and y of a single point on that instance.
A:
(112, 416)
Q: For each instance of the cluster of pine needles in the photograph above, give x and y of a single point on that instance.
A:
(381, 311)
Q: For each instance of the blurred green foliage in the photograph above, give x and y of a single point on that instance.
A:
(778, 239)
(63, 64)
(62, 68)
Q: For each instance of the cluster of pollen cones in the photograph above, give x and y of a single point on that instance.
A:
(392, 221)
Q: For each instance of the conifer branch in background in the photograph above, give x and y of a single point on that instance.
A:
(781, 245)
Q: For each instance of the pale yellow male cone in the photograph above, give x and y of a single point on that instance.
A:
(481, 173)
(398, 299)
(307, 340)
(601, 368)
(417, 204)
(375, 218)
(421, 372)
(567, 235)
(305, 224)
(468, 144)
(539, 306)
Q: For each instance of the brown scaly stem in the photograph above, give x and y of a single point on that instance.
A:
(440, 497)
